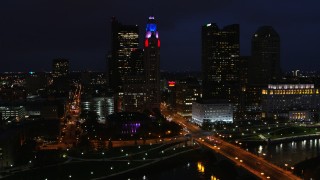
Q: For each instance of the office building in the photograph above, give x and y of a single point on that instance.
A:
(278, 100)
(265, 61)
(60, 68)
(60, 76)
(220, 62)
(152, 64)
(124, 39)
(12, 113)
(211, 112)
(102, 106)
(187, 92)
(134, 94)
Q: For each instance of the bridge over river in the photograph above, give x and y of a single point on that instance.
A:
(251, 162)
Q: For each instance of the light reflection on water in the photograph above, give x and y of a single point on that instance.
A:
(192, 170)
(288, 152)
(200, 167)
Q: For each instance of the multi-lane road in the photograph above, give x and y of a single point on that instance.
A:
(69, 129)
(254, 164)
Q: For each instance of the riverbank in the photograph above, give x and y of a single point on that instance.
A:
(186, 166)
(283, 139)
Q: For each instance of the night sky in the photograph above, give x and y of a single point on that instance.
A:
(33, 32)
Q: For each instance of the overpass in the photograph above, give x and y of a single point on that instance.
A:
(252, 163)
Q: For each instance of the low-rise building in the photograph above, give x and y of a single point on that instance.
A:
(212, 112)
(18, 112)
(103, 106)
(187, 91)
(279, 99)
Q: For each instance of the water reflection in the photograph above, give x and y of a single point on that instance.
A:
(214, 178)
(200, 167)
(288, 153)
(260, 149)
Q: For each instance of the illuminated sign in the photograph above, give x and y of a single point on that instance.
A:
(171, 83)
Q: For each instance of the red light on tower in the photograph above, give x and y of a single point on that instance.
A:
(171, 83)
(158, 43)
(146, 43)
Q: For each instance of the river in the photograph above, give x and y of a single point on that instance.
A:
(204, 165)
(287, 153)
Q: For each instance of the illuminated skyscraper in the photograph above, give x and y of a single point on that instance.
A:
(60, 68)
(263, 69)
(60, 75)
(220, 62)
(134, 94)
(125, 39)
(152, 64)
(264, 66)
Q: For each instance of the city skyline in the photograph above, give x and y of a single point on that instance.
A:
(34, 33)
(157, 90)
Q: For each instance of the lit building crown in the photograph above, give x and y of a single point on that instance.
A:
(151, 28)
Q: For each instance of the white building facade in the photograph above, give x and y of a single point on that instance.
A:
(17, 112)
(212, 113)
(290, 101)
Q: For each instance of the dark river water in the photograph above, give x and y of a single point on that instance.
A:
(201, 165)
(289, 153)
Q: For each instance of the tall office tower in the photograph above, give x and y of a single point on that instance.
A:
(152, 64)
(220, 62)
(60, 68)
(134, 93)
(124, 39)
(265, 62)
(60, 75)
